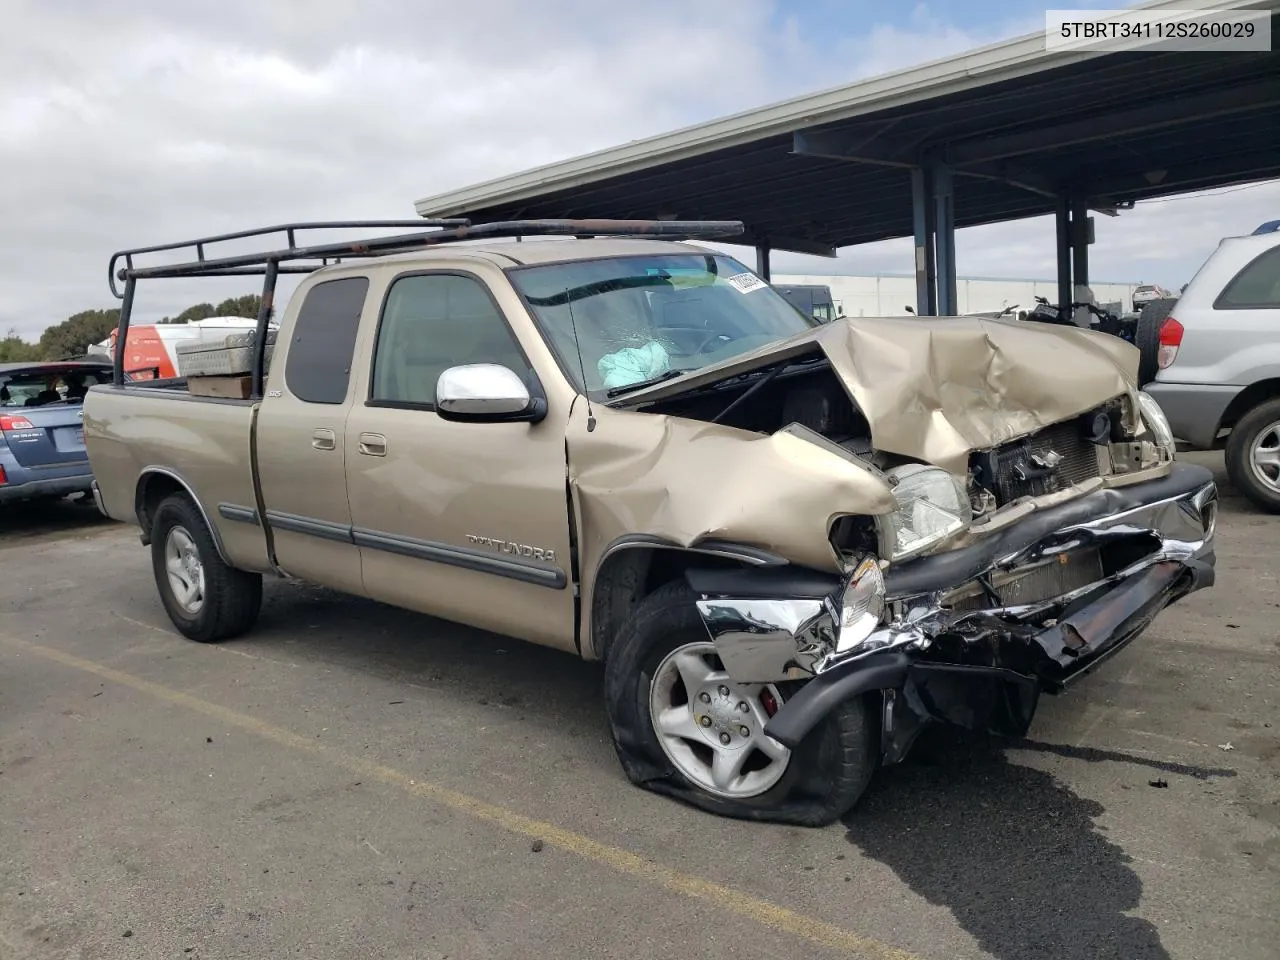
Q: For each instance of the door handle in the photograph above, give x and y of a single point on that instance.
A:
(373, 445)
(324, 439)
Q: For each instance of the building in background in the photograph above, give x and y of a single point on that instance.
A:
(888, 295)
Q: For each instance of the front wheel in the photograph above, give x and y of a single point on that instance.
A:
(206, 599)
(682, 727)
(1253, 455)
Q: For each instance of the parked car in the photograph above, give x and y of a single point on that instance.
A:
(1144, 294)
(812, 299)
(42, 453)
(1211, 357)
(791, 543)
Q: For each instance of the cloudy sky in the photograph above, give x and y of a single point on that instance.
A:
(142, 121)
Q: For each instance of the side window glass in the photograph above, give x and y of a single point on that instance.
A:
(1257, 285)
(324, 340)
(430, 323)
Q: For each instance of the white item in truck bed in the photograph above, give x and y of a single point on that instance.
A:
(226, 356)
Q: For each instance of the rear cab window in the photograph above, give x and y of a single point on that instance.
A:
(323, 340)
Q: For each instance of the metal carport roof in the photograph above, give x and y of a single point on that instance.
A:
(1020, 129)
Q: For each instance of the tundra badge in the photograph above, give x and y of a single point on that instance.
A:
(509, 546)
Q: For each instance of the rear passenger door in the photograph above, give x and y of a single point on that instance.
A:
(301, 436)
(466, 521)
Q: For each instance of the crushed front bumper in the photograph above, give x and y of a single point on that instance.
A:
(952, 648)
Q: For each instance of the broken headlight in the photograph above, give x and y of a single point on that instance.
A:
(1156, 422)
(861, 606)
(932, 507)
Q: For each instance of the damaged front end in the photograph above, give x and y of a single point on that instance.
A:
(973, 634)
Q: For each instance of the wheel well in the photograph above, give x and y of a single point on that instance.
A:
(153, 488)
(628, 575)
(1246, 400)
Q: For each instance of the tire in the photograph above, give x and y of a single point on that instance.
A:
(1147, 337)
(824, 776)
(229, 600)
(1258, 425)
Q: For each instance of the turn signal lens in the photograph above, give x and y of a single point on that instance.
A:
(862, 606)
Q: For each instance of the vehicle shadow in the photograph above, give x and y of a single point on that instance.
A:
(1011, 851)
(547, 689)
(24, 521)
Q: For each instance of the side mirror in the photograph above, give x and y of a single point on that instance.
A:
(910, 309)
(486, 392)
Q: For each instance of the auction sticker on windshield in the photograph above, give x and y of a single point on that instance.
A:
(745, 282)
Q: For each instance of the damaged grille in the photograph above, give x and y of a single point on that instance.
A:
(1045, 581)
(1051, 460)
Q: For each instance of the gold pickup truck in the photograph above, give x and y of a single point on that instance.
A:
(791, 543)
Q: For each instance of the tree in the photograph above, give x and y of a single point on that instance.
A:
(13, 349)
(72, 336)
(246, 306)
(201, 311)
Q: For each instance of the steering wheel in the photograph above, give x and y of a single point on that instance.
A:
(706, 337)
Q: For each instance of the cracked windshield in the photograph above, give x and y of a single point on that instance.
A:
(647, 318)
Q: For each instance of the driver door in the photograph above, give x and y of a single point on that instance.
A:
(465, 521)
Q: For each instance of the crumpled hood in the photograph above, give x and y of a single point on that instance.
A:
(937, 388)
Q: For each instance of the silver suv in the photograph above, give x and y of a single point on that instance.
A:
(1212, 360)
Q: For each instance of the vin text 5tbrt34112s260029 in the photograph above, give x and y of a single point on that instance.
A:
(791, 543)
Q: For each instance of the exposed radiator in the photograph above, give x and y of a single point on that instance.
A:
(1045, 581)
(1051, 460)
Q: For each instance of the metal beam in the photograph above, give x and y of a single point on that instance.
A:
(1063, 225)
(762, 262)
(1080, 243)
(1228, 171)
(1014, 177)
(813, 248)
(922, 221)
(1105, 126)
(853, 145)
(944, 238)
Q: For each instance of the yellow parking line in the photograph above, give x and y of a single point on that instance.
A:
(811, 929)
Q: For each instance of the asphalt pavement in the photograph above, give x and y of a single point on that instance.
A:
(351, 780)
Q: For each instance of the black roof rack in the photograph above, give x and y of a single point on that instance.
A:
(297, 258)
(447, 231)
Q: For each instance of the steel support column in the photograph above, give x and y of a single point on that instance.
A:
(922, 220)
(944, 226)
(762, 263)
(1080, 243)
(1063, 224)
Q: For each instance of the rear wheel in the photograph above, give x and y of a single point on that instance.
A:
(682, 727)
(206, 599)
(1253, 455)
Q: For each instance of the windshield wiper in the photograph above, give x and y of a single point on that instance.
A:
(633, 387)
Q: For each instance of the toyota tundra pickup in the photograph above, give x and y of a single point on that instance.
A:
(792, 544)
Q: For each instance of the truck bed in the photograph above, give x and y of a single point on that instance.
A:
(136, 432)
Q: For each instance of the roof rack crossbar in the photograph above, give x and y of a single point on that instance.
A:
(253, 271)
(451, 232)
(289, 229)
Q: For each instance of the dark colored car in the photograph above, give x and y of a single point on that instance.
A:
(42, 451)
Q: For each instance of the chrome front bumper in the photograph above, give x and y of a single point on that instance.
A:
(1166, 525)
